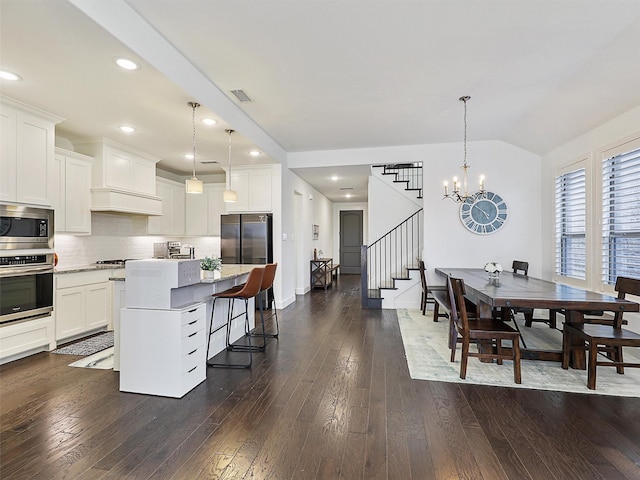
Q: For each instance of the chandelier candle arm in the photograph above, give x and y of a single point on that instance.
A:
(456, 194)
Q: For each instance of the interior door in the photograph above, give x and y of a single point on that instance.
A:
(350, 240)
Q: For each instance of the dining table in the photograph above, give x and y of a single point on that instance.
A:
(512, 290)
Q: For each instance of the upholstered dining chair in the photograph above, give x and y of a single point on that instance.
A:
(604, 340)
(488, 333)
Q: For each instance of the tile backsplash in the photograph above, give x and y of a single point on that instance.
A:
(116, 236)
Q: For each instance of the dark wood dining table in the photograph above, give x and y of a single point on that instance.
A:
(515, 290)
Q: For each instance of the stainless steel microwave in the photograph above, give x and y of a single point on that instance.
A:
(25, 227)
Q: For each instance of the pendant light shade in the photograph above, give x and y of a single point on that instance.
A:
(229, 196)
(193, 185)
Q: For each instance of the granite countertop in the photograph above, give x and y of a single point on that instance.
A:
(86, 268)
(228, 272)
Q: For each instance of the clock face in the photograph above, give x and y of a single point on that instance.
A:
(485, 214)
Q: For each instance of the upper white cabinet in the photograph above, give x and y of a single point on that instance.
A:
(203, 211)
(172, 220)
(27, 142)
(254, 188)
(71, 192)
(123, 179)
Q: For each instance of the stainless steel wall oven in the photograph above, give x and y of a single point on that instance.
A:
(26, 287)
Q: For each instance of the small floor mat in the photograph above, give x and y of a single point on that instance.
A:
(89, 346)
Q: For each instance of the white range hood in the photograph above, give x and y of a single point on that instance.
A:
(123, 179)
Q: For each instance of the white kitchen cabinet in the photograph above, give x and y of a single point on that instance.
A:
(203, 211)
(123, 178)
(172, 220)
(71, 192)
(254, 188)
(215, 208)
(82, 303)
(26, 153)
(162, 352)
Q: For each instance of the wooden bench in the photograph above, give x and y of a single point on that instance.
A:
(441, 298)
(334, 271)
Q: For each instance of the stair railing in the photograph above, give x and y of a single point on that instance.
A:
(391, 256)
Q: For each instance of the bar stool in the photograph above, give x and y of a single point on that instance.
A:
(249, 290)
(265, 289)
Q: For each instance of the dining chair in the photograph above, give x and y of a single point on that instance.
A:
(521, 267)
(487, 333)
(606, 340)
(428, 294)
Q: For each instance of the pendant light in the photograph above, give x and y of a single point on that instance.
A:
(193, 185)
(229, 195)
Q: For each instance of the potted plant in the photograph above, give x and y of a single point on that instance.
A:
(210, 267)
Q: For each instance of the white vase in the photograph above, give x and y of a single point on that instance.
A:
(208, 274)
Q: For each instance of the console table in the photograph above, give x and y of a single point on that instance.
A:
(321, 272)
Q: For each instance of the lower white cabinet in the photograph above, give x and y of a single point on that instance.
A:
(162, 352)
(82, 303)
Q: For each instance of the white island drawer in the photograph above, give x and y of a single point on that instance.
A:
(162, 351)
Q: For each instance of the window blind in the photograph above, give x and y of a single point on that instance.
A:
(621, 216)
(571, 246)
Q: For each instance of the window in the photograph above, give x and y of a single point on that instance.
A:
(571, 245)
(621, 216)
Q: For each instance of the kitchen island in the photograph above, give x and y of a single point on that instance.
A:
(145, 338)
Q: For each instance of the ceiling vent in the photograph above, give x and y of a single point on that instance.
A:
(241, 96)
(346, 188)
(208, 162)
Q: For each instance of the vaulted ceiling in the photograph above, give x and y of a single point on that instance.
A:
(322, 74)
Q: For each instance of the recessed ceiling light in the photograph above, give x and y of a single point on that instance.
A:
(188, 156)
(334, 178)
(254, 153)
(9, 75)
(127, 64)
(126, 128)
(348, 195)
(209, 121)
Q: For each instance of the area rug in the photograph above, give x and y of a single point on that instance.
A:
(427, 353)
(88, 346)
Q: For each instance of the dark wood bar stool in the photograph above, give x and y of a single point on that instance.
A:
(247, 291)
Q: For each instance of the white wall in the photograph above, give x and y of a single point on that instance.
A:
(302, 207)
(396, 207)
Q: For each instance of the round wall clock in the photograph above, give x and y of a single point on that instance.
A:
(484, 214)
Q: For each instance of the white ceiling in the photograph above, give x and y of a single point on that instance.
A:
(324, 75)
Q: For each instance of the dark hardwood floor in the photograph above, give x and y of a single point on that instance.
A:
(331, 398)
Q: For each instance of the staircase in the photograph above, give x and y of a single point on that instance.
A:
(409, 174)
(390, 259)
(390, 264)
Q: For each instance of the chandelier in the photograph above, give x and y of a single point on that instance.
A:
(193, 185)
(229, 196)
(460, 193)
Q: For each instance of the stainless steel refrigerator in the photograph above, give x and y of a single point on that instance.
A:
(246, 238)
